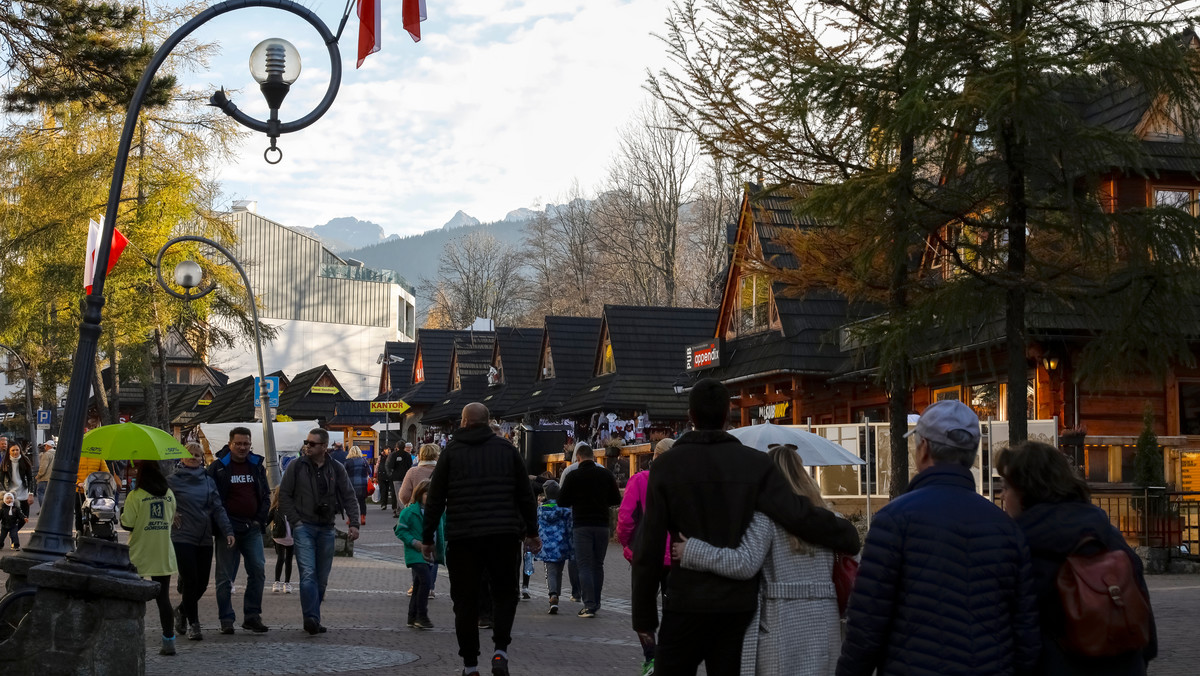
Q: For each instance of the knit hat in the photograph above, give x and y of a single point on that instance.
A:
(551, 489)
(663, 445)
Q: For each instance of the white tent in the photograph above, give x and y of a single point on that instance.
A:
(289, 436)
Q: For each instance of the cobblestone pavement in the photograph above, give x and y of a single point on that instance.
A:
(366, 605)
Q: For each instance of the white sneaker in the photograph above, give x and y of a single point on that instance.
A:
(232, 589)
(276, 587)
(287, 588)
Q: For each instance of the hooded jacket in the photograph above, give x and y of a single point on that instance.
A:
(197, 507)
(219, 471)
(1053, 530)
(306, 486)
(481, 485)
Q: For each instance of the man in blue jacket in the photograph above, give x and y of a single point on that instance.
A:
(241, 479)
(945, 586)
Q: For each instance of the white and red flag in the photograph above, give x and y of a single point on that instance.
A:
(370, 29)
(414, 14)
(95, 234)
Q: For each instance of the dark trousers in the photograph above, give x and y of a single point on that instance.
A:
(468, 559)
(195, 564)
(385, 492)
(283, 560)
(591, 544)
(573, 578)
(685, 640)
(166, 614)
(418, 603)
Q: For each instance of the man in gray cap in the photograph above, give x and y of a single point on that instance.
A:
(945, 585)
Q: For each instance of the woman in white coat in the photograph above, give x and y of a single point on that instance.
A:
(796, 630)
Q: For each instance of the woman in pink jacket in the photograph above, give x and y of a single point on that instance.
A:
(633, 508)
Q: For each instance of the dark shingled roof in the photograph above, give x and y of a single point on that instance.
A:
(518, 350)
(236, 401)
(298, 402)
(472, 354)
(354, 414)
(436, 347)
(399, 374)
(648, 350)
(572, 342)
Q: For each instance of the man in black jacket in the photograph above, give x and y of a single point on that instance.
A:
(590, 491)
(708, 486)
(481, 485)
(399, 461)
(241, 479)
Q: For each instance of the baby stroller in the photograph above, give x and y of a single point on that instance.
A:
(100, 512)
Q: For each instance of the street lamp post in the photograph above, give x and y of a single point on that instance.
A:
(52, 538)
(189, 275)
(30, 422)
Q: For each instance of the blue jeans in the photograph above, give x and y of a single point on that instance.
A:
(554, 570)
(247, 546)
(591, 544)
(41, 492)
(314, 558)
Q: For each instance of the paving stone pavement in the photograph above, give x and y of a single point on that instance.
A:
(366, 604)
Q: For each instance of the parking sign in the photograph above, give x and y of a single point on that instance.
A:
(43, 419)
(272, 389)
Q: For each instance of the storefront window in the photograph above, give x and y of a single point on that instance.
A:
(1189, 408)
(948, 394)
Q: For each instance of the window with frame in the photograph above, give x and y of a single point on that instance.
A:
(754, 304)
(547, 370)
(607, 363)
(1184, 199)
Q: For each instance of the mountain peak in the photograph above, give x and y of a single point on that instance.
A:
(460, 220)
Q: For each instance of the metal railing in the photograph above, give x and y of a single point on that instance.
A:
(365, 274)
(1153, 517)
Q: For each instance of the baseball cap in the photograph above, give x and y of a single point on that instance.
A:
(950, 423)
(50, 444)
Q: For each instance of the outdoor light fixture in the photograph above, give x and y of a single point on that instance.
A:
(188, 274)
(1050, 363)
(678, 388)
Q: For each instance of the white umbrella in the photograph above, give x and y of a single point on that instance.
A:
(814, 449)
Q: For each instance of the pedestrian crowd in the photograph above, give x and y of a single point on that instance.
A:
(737, 561)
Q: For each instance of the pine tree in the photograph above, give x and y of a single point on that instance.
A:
(1148, 459)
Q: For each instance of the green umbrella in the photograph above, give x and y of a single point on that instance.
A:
(130, 441)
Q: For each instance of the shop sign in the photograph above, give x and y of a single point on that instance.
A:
(397, 406)
(1190, 473)
(364, 434)
(706, 355)
(204, 402)
(324, 390)
(773, 411)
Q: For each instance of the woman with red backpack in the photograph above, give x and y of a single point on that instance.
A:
(1093, 606)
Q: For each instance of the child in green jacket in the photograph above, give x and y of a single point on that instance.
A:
(409, 528)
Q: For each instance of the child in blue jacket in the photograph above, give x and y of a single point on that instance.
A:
(409, 529)
(556, 531)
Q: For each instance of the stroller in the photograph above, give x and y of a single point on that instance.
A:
(100, 512)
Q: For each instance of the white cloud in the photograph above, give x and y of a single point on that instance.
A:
(501, 103)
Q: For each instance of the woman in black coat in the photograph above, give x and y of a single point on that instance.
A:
(1051, 503)
(16, 476)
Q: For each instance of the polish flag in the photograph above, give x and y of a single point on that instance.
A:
(95, 233)
(370, 29)
(414, 14)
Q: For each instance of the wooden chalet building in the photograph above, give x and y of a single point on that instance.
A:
(395, 378)
(433, 352)
(470, 364)
(636, 366)
(564, 364)
(512, 370)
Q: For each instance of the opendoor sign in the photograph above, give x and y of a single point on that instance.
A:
(706, 355)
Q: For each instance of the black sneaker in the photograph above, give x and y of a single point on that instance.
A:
(423, 623)
(525, 594)
(412, 624)
(255, 625)
(226, 627)
(584, 612)
(312, 626)
(553, 609)
(499, 666)
(321, 629)
(181, 626)
(485, 623)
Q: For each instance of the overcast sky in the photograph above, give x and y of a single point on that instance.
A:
(501, 105)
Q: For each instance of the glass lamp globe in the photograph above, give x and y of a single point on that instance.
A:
(275, 56)
(188, 274)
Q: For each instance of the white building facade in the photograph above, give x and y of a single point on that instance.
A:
(327, 310)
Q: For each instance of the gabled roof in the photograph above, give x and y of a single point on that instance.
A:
(237, 401)
(571, 343)
(648, 350)
(354, 414)
(396, 377)
(434, 350)
(517, 352)
(471, 358)
(299, 401)
(183, 401)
